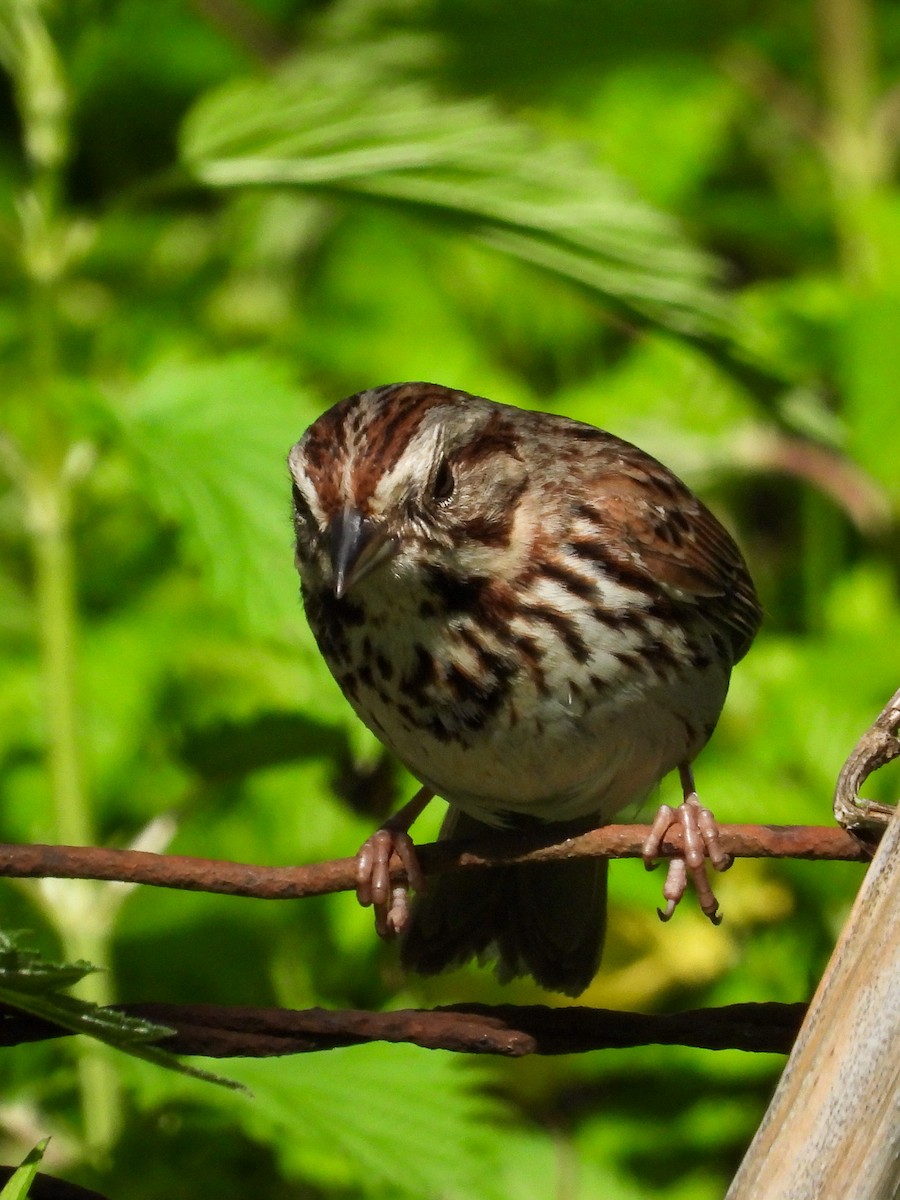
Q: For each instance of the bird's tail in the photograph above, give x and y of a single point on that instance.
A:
(546, 920)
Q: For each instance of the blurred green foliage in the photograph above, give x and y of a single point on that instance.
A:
(680, 222)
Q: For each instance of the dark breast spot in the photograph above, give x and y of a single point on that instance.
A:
(349, 684)
(634, 662)
(416, 682)
(634, 619)
(330, 620)
(661, 657)
(385, 667)
(531, 655)
(333, 612)
(488, 603)
(579, 585)
(564, 626)
(451, 593)
(477, 696)
(606, 616)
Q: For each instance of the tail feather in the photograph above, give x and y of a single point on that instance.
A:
(546, 920)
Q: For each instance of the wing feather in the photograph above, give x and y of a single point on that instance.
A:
(658, 529)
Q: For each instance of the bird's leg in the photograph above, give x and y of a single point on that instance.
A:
(373, 873)
(700, 837)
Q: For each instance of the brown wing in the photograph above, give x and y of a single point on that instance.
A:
(654, 527)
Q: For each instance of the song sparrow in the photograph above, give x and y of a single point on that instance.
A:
(540, 621)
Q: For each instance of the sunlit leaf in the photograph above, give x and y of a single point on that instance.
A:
(212, 439)
(361, 125)
(19, 1183)
(29, 983)
(384, 1120)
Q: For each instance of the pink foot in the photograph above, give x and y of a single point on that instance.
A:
(700, 838)
(373, 869)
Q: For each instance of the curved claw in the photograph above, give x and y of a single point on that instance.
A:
(396, 915)
(700, 838)
(674, 887)
(374, 887)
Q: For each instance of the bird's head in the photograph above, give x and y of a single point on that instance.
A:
(406, 475)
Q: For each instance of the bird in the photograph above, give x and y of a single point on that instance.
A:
(540, 621)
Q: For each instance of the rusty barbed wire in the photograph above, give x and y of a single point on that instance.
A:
(509, 1030)
(336, 875)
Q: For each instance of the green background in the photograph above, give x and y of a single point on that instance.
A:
(680, 222)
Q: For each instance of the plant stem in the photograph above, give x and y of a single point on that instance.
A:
(55, 596)
(858, 155)
(79, 910)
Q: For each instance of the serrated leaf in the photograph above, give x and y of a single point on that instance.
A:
(212, 440)
(36, 978)
(21, 968)
(24, 970)
(374, 1107)
(362, 125)
(375, 1120)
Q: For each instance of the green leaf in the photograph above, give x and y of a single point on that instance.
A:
(28, 984)
(19, 1184)
(375, 1120)
(211, 439)
(27, 971)
(363, 126)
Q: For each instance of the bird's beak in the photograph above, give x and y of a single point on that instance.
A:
(358, 544)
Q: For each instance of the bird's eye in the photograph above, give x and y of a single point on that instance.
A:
(301, 509)
(444, 483)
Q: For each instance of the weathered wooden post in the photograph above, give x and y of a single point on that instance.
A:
(832, 1131)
